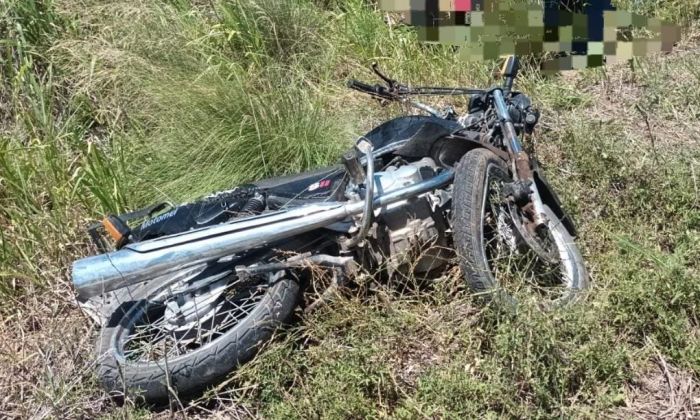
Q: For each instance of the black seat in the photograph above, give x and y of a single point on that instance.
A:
(316, 185)
(416, 132)
(297, 182)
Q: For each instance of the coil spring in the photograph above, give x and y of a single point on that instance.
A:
(255, 204)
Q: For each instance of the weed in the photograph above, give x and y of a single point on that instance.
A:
(108, 106)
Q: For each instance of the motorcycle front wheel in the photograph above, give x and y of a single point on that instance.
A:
(494, 258)
(174, 337)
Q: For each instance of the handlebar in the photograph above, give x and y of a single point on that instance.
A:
(398, 91)
(394, 91)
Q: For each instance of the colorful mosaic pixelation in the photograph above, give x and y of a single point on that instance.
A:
(581, 34)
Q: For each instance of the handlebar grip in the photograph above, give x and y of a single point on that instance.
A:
(378, 91)
(357, 85)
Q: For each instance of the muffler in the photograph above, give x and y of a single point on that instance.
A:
(141, 261)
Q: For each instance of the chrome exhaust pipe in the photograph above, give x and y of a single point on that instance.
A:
(141, 261)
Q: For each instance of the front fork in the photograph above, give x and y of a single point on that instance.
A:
(520, 162)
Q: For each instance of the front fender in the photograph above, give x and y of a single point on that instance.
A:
(433, 138)
(550, 198)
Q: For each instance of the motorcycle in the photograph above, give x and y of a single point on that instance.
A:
(192, 291)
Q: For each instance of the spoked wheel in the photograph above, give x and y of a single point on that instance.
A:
(497, 255)
(190, 330)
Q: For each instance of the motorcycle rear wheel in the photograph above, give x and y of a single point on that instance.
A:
(494, 262)
(169, 339)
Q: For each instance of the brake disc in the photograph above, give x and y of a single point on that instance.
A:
(542, 243)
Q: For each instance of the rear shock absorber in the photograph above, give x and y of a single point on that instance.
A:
(255, 204)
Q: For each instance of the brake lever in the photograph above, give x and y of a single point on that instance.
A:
(391, 82)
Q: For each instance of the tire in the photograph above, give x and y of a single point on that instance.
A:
(472, 173)
(183, 375)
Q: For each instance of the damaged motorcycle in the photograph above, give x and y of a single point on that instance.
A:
(186, 293)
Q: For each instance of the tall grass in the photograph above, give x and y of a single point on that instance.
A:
(110, 105)
(42, 149)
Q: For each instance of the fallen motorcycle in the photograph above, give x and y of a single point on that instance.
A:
(191, 291)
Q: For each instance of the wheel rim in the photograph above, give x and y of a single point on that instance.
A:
(179, 319)
(513, 267)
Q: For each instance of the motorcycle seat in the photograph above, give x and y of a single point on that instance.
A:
(415, 132)
(315, 185)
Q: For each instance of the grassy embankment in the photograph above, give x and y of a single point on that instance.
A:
(106, 106)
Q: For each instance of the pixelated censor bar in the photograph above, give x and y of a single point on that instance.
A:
(581, 33)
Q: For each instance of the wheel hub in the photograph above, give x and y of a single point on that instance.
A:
(196, 306)
(537, 239)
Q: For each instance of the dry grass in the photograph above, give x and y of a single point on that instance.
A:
(660, 391)
(134, 87)
(46, 359)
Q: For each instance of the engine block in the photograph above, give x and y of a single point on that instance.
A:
(412, 236)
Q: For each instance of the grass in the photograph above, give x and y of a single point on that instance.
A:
(107, 106)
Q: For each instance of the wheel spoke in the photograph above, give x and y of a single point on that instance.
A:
(515, 268)
(155, 335)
